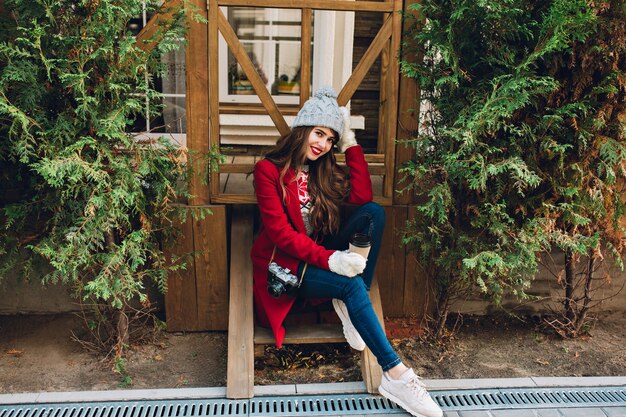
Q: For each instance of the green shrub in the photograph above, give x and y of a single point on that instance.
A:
(79, 191)
(521, 145)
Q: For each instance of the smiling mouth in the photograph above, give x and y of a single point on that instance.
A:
(315, 150)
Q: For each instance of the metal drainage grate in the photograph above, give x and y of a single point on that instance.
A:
(256, 407)
(490, 399)
(327, 405)
(321, 406)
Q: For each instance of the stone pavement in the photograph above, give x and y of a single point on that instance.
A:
(321, 390)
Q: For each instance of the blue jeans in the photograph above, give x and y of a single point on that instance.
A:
(320, 283)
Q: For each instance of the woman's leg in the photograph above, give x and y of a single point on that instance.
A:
(320, 283)
(370, 220)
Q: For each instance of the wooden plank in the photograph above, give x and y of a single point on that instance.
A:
(149, 35)
(180, 298)
(408, 115)
(227, 168)
(383, 87)
(366, 62)
(302, 334)
(240, 367)
(214, 97)
(248, 68)
(197, 104)
(341, 5)
(371, 158)
(305, 55)
(391, 100)
(419, 292)
(255, 108)
(235, 199)
(390, 268)
(370, 369)
(251, 199)
(211, 270)
(247, 168)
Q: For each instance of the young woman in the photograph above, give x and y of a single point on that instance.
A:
(299, 189)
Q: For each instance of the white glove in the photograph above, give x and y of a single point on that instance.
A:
(347, 139)
(346, 263)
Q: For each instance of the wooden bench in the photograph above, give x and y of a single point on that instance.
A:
(242, 335)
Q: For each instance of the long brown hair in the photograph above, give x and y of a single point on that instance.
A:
(328, 182)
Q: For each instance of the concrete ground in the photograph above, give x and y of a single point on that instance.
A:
(321, 390)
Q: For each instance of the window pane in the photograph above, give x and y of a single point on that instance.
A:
(271, 37)
(168, 115)
(174, 111)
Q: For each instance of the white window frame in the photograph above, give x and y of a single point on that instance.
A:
(146, 113)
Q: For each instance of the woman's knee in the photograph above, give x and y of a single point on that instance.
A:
(376, 210)
(355, 288)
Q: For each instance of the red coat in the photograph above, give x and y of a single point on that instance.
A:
(283, 226)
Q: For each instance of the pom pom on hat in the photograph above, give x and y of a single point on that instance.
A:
(325, 92)
(321, 110)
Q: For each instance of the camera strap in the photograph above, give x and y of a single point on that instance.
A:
(303, 269)
(273, 253)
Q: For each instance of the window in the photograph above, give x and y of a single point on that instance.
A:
(271, 37)
(171, 83)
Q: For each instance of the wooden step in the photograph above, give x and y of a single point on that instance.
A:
(302, 333)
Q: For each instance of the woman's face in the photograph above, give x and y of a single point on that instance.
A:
(320, 142)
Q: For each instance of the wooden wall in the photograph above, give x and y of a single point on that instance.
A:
(403, 290)
(197, 297)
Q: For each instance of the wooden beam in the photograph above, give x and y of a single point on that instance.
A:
(197, 105)
(240, 366)
(366, 63)
(382, 138)
(238, 166)
(408, 112)
(248, 68)
(235, 199)
(227, 168)
(340, 5)
(149, 35)
(302, 333)
(214, 93)
(305, 55)
(370, 369)
(391, 100)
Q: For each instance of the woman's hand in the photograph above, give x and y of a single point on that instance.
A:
(346, 263)
(347, 138)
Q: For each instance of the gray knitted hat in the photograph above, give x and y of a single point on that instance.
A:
(321, 110)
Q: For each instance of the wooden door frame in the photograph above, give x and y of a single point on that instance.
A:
(386, 43)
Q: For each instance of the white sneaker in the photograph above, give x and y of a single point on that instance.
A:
(409, 393)
(353, 337)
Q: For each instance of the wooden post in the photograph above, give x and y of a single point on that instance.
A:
(370, 369)
(198, 105)
(408, 117)
(240, 367)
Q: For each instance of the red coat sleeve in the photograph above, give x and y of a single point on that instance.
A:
(360, 180)
(276, 222)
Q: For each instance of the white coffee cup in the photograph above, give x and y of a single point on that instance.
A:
(360, 243)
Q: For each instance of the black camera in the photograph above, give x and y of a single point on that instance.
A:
(281, 280)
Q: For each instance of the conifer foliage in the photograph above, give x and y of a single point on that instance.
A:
(78, 190)
(521, 145)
